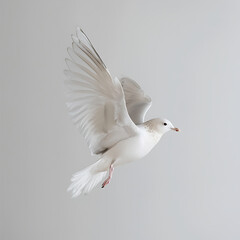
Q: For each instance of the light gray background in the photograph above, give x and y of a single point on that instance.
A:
(185, 55)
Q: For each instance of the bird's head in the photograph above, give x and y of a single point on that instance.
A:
(165, 125)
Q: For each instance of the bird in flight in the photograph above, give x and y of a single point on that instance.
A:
(110, 114)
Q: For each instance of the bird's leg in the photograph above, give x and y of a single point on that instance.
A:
(107, 181)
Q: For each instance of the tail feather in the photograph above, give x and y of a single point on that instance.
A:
(85, 180)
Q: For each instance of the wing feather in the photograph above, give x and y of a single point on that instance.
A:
(138, 103)
(95, 100)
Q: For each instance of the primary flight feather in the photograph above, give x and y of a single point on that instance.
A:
(110, 114)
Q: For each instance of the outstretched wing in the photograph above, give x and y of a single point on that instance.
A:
(137, 102)
(95, 100)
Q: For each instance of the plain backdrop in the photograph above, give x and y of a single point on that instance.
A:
(185, 55)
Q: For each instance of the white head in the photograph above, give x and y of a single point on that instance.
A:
(165, 125)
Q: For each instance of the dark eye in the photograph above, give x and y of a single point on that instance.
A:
(165, 124)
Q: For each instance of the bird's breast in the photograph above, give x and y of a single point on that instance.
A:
(133, 148)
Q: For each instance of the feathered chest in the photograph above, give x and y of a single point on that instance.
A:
(151, 137)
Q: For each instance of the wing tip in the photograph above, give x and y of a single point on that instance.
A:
(74, 39)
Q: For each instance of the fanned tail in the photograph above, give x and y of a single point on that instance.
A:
(85, 180)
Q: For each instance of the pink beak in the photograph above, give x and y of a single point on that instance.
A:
(175, 129)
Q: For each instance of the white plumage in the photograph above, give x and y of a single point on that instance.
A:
(110, 114)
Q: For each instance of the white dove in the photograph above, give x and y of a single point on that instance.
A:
(110, 114)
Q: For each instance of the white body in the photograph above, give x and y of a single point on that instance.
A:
(130, 149)
(123, 152)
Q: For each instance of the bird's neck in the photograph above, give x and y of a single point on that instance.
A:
(153, 126)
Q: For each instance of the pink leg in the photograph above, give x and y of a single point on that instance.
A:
(107, 181)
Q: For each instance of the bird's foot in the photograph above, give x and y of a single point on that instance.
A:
(106, 182)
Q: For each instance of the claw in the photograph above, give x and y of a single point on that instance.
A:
(107, 181)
